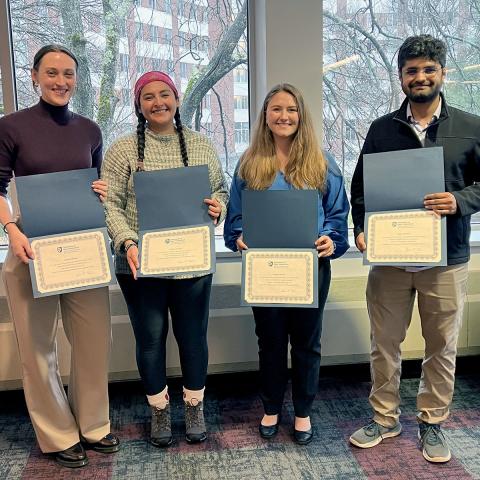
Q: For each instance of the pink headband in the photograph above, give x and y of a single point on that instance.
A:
(153, 77)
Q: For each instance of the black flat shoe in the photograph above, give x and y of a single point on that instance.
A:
(162, 442)
(269, 431)
(196, 437)
(108, 444)
(303, 438)
(72, 457)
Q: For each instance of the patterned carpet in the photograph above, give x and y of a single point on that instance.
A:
(234, 450)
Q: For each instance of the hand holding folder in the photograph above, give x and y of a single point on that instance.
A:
(399, 230)
(175, 228)
(65, 223)
(280, 267)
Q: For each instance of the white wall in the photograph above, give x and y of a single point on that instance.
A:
(232, 342)
(286, 46)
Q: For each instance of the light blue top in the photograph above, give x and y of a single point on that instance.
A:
(333, 208)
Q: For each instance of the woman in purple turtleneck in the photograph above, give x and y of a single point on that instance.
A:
(42, 139)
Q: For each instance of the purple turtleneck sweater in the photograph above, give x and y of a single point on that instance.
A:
(45, 139)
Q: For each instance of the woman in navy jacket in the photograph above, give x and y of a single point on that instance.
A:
(283, 155)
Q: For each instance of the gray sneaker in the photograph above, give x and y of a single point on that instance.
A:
(434, 443)
(161, 427)
(195, 430)
(373, 433)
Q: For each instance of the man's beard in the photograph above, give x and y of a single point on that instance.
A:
(423, 97)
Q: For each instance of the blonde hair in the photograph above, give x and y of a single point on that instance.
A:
(306, 167)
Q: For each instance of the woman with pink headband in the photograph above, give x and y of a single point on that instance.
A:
(162, 142)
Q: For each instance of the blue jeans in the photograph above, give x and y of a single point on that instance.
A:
(148, 301)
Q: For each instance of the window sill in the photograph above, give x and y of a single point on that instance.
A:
(226, 255)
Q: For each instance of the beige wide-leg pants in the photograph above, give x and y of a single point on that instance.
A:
(58, 421)
(390, 298)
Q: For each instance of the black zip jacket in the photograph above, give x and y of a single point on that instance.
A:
(458, 132)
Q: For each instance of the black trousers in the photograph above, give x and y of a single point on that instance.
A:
(303, 327)
(148, 301)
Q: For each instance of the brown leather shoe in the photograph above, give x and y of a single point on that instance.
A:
(108, 444)
(72, 457)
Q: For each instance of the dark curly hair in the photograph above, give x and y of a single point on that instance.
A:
(422, 46)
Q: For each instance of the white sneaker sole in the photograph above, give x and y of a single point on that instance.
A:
(434, 459)
(378, 440)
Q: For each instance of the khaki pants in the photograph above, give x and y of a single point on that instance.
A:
(390, 299)
(58, 421)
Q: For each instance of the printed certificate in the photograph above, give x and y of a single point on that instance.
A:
(69, 262)
(404, 237)
(170, 252)
(280, 277)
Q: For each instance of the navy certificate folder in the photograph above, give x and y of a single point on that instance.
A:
(172, 197)
(59, 202)
(280, 218)
(400, 179)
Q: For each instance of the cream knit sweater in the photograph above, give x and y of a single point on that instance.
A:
(161, 152)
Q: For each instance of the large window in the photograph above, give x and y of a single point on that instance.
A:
(123, 62)
(360, 80)
(241, 101)
(167, 36)
(142, 35)
(241, 133)
(154, 33)
(240, 75)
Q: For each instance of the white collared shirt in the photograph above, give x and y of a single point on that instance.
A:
(416, 127)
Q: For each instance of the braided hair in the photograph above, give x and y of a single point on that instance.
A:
(141, 125)
(181, 138)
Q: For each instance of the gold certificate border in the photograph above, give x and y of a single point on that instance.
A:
(39, 267)
(206, 264)
(308, 297)
(437, 246)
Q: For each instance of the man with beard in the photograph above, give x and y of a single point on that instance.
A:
(423, 120)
